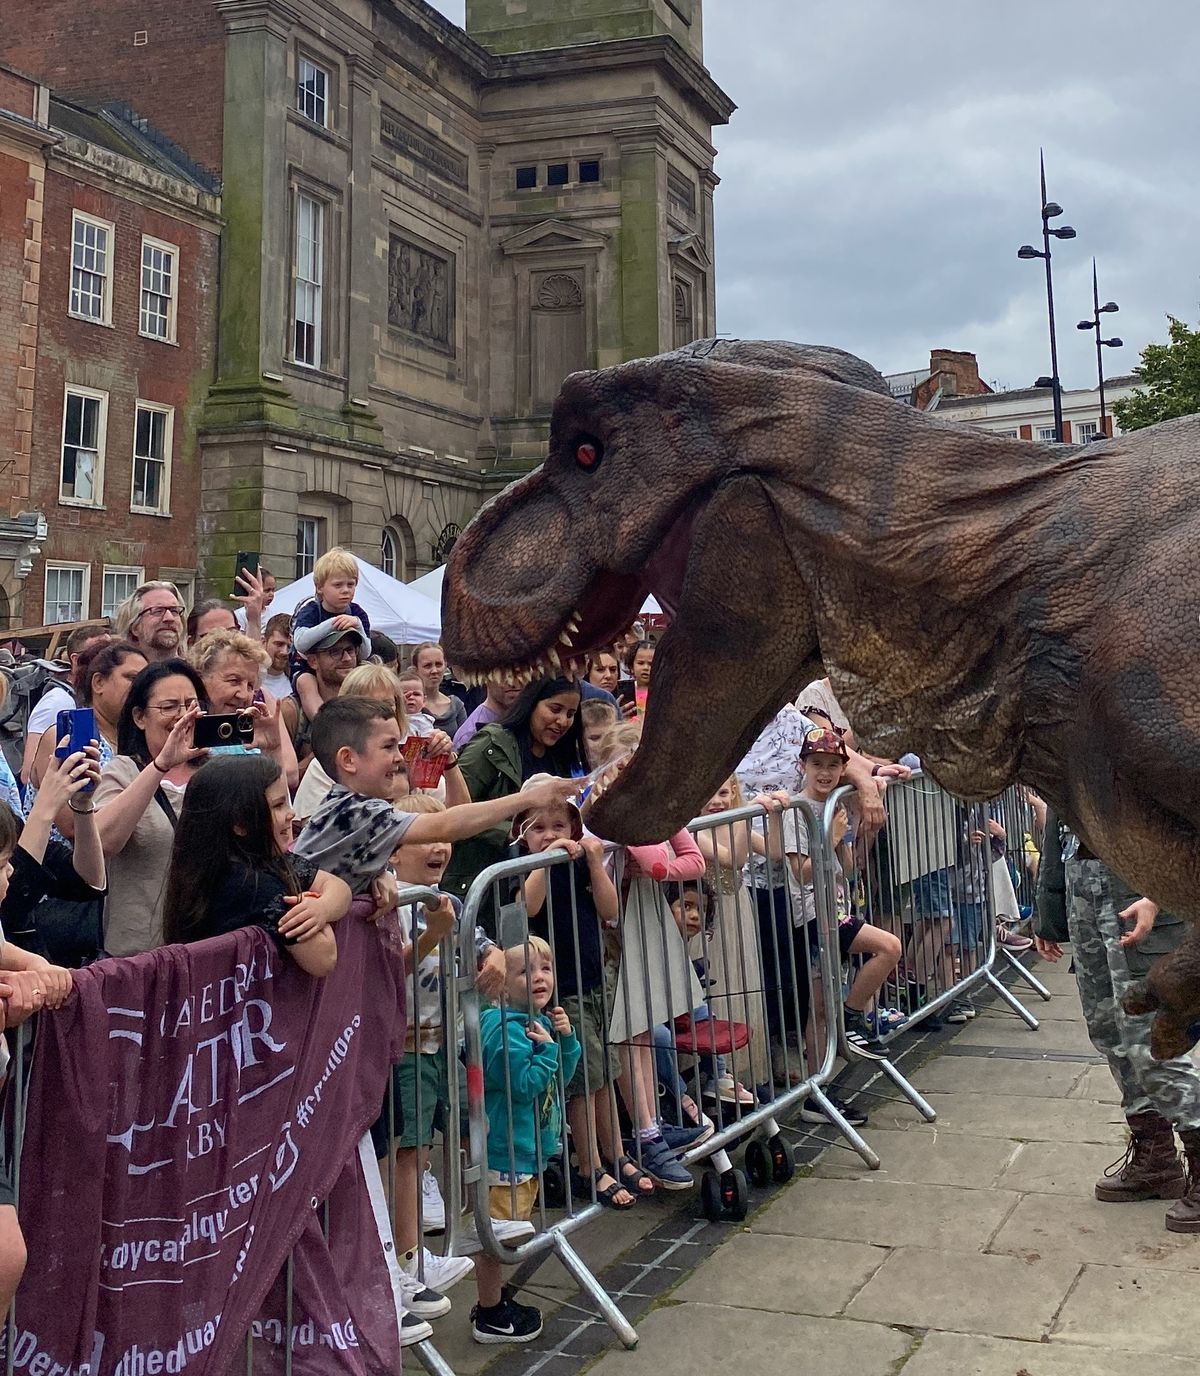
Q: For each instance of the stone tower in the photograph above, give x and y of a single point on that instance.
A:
(511, 26)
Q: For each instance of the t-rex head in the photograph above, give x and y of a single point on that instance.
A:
(657, 481)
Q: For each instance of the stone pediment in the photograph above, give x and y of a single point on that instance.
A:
(553, 236)
(689, 248)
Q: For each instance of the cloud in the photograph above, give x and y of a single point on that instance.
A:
(881, 173)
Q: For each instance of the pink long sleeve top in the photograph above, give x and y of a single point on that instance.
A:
(679, 858)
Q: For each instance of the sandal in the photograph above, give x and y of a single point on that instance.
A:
(633, 1178)
(608, 1196)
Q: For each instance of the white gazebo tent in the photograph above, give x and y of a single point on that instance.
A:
(397, 609)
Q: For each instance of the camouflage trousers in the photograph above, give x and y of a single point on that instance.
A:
(1104, 969)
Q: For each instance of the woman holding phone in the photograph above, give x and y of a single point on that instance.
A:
(139, 797)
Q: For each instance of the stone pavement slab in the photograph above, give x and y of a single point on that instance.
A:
(1070, 1168)
(1065, 1035)
(888, 1213)
(1022, 1119)
(765, 1271)
(1084, 1230)
(687, 1339)
(1097, 1084)
(1134, 1310)
(965, 1354)
(987, 1075)
(1005, 1296)
(925, 1156)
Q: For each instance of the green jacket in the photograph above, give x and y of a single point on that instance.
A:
(491, 765)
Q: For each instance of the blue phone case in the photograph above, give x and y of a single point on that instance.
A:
(79, 723)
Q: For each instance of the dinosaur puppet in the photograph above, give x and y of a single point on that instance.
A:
(1006, 610)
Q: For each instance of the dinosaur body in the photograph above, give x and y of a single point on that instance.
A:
(1006, 610)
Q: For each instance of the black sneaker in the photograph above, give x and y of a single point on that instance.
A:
(960, 1011)
(812, 1112)
(860, 1035)
(506, 1322)
(413, 1329)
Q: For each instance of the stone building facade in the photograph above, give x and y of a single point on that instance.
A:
(425, 230)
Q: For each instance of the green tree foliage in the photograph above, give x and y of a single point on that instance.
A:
(1171, 373)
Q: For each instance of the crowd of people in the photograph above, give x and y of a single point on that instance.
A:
(301, 760)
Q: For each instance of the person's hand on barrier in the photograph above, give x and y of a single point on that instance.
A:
(1048, 950)
(439, 921)
(592, 849)
(1142, 914)
(560, 1022)
(775, 801)
(489, 978)
(385, 894)
(840, 827)
(55, 983)
(995, 829)
(859, 773)
(178, 748)
(891, 770)
(306, 917)
(538, 1032)
(567, 846)
(24, 995)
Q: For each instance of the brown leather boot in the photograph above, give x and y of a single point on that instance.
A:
(1184, 1215)
(1150, 1168)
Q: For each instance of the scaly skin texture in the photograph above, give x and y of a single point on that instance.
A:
(1006, 610)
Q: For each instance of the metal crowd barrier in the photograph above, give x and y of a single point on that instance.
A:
(727, 1009)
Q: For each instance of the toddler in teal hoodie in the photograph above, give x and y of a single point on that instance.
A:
(525, 1049)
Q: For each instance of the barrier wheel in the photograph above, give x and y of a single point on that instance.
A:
(735, 1195)
(760, 1164)
(710, 1196)
(783, 1158)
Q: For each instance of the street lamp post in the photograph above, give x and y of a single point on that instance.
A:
(1094, 324)
(1051, 210)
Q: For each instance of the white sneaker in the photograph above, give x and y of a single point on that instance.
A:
(433, 1206)
(418, 1297)
(443, 1272)
(508, 1230)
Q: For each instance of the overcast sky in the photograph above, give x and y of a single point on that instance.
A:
(881, 172)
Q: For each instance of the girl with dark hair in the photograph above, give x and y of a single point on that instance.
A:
(540, 734)
(236, 821)
(139, 796)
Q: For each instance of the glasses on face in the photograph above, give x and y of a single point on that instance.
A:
(174, 709)
(157, 613)
(341, 652)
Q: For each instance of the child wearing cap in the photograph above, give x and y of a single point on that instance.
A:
(567, 906)
(823, 756)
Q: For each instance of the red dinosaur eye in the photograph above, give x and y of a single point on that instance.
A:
(588, 453)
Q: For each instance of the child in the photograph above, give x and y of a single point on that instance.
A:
(236, 823)
(693, 907)
(598, 717)
(420, 1088)
(575, 900)
(524, 1053)
(412, 689)
(355, 829)
(655, 984)
(823, 756)
(734, 966)
(335, 577)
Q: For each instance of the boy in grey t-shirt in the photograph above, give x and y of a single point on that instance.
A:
(356, 829)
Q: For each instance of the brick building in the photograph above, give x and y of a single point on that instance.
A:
(425, 229)
(126, 272)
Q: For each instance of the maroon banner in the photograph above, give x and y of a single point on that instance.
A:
(192, 1147)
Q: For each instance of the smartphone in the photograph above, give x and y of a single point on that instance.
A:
(227, 728)
(625, 691)
(247, 562)
(79, 724)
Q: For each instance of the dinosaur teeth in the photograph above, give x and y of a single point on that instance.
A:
(566, 640)
(552, 656)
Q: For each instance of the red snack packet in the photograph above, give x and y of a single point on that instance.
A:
(424, 771)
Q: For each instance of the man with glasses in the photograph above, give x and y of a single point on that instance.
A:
(152, 618)
(330, 655)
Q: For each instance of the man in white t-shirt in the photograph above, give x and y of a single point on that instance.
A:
(59, 697)
(277, 641)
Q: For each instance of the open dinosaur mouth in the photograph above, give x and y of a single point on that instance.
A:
(610, 603)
